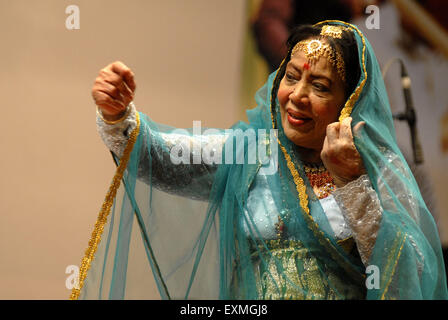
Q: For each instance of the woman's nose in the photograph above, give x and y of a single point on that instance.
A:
(299, 95)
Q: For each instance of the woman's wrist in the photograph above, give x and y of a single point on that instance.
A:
(362, 211)
(342, 182)
(116, 135)
(114, 119)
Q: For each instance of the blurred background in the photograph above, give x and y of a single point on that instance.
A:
(193, 60)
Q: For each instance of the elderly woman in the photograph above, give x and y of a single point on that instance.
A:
(327, 208)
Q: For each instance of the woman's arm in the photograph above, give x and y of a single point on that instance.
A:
(115, 135)
(362, 211)
(159, 163)
(362, 208)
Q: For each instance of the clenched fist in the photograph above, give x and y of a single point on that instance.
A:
(113, 90)
(339, 153)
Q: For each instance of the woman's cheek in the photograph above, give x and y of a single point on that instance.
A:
(320, 112)
(324, 112)
(283, 95)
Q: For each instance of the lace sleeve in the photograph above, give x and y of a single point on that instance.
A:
(193, 179)
(362, 211)
(362, 208)
(393, 179)
(115, 136)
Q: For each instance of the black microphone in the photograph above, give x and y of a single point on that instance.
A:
(409, 115)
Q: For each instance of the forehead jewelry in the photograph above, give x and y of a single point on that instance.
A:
(333, 31)
(314, 49)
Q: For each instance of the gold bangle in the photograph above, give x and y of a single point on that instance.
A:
(125, 115)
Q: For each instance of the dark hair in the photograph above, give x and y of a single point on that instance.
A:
(346, 46)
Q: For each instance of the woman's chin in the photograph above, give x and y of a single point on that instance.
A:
(297, 139)
(306, 141)
(297, 136)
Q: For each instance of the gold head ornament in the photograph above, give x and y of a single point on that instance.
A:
(314, 49)
(333, 31)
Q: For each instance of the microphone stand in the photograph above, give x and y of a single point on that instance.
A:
(409, 114)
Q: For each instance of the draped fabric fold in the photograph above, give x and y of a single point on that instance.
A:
(230, 214)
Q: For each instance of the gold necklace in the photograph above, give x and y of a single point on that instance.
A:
(320, 179)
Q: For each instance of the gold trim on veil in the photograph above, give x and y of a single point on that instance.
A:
(104, 212)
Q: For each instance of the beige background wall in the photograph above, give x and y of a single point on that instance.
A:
(55, 168)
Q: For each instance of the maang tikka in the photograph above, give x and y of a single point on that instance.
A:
(314, 49)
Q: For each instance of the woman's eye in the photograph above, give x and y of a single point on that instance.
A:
(320, 87)
(290, 77)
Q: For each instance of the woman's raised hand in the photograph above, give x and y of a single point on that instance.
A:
(339, 153)
(113, 90)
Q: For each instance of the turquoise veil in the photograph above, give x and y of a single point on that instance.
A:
(189, 226)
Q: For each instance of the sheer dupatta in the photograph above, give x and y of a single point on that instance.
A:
(190, 225)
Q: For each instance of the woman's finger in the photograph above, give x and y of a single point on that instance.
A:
(108, 103)
(324, 147)
(126, 73)
(358, 127)
(123, 90)
(345, 132)
(110, 89)
(333, 132)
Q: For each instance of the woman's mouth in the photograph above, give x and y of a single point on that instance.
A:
(297, 119)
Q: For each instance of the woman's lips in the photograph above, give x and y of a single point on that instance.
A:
(296, 119)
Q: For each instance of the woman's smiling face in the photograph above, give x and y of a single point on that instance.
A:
(311, 97)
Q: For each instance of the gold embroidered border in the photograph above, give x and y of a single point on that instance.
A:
(386, 288)
(298, 181)
(104, 212)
